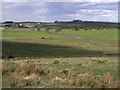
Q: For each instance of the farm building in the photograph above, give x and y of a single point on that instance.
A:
(8, 24)
(18, 24)
(26, 24)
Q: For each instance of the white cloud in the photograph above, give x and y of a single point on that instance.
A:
(100, 15)
(59, 11)
(97, 12)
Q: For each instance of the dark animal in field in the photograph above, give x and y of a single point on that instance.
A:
(43, 38)
(109, 53)
(10, 57)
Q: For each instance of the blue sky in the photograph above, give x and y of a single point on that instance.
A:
(62, 11)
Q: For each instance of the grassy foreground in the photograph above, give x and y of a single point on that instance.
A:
(60, 59)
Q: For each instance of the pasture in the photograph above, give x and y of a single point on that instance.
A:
(68, 58)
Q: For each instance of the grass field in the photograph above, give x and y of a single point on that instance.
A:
(60, 59)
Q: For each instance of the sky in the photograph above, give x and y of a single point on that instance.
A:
(61, 10)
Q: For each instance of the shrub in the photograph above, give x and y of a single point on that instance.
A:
(38, 27)
(76, 29)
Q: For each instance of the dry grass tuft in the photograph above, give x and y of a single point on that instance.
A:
(15, 80)
(79, 64)
(40, 70)
(56, 62)
(69, 76)
(29, 68)
(4, 69)
(61, 61)
(30, 80)
(115, 84)
(29, 74)
(107, 79)
(65, 61)
(66, 71)
(19, 67)
(54, 72)
(98, 59)
(86, 79)
(58, 80)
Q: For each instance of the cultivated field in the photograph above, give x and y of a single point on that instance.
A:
(69, 58)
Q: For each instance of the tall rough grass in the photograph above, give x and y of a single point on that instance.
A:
(31, 74)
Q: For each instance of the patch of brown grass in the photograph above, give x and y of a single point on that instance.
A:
(40, 70)
(29, 68)
(98, 59)
(53, 73)
(30, 80)
(107, 79)
(26, 74)
(56, 62)
(65, 61)
(4, 69)
(58, 80)
(60, 61)
(15, 80)
(86, 79)
(19, 67)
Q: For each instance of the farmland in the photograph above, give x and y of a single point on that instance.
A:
(67, 58)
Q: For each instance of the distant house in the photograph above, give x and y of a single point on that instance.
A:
(0, 24)
(8, 24)
(26, 24)
(18, 24)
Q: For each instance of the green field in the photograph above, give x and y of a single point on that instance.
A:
(60, 59)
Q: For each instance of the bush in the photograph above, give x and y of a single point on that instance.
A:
(76, 29)
(39, 27)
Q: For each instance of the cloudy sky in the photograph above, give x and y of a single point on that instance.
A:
(34, 10)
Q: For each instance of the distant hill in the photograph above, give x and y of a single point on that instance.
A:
(78, 24)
